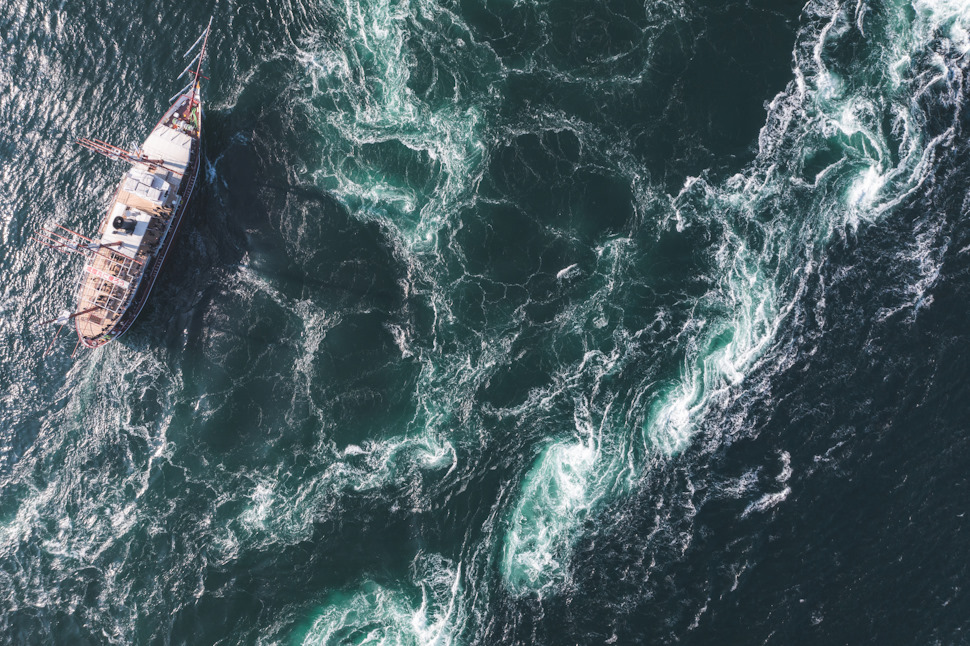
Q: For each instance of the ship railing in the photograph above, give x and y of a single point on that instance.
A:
(94, 291)
(108, 281)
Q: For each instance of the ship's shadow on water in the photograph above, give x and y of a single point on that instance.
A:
(258, 231)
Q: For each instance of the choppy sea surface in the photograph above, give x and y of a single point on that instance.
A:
(508, 322)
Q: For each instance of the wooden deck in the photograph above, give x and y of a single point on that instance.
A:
(110, 278)
(108, 282)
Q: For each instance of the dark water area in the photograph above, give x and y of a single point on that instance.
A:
(498, 323)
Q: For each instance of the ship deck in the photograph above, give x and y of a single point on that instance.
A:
(145, 202)
(108, 280)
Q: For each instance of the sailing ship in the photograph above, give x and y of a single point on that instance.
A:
(123, 260)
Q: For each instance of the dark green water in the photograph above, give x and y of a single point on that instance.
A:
(498, 323)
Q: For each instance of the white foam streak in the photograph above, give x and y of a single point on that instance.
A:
(766, 502)
(83, 483)
(737, 324)
(369, 77)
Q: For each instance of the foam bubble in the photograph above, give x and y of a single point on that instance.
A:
(262, 502)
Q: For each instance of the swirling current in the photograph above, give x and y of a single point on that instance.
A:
(522, 322)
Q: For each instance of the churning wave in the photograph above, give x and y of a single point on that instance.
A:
(855, 132)
(550, 344)
(848, 139)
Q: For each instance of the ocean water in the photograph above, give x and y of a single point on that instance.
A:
(532, 322)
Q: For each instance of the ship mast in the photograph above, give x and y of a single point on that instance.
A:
(120, 154)
(201, 57)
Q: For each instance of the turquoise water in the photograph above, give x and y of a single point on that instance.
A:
(498, 323)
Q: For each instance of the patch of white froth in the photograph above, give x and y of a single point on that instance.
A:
(554, 500)
(567, 273)
(276, 509)
(426, 613)
(865, 189)
(737, 323)
(83, 485)
(771, 500)
(367, 75)
(256, 514)
(785, 474)
(766, 502)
